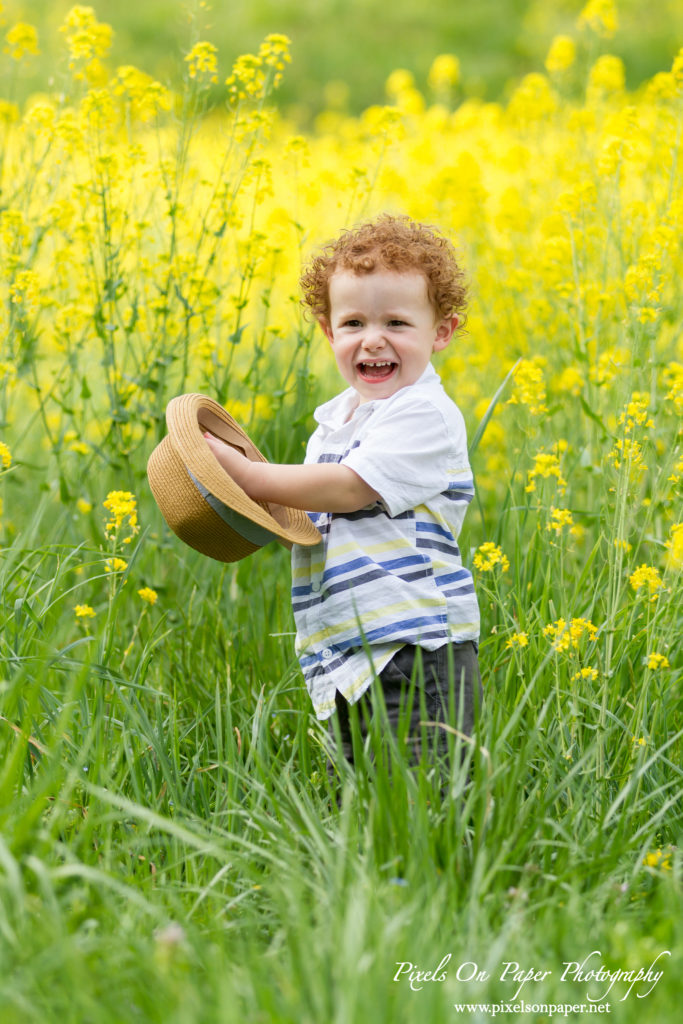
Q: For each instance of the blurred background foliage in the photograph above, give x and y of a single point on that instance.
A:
(344, 50)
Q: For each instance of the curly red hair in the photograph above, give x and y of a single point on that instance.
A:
(389, 243)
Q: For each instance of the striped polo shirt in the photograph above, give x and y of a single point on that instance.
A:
(390, 574)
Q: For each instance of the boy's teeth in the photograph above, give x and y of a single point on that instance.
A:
(378, 371)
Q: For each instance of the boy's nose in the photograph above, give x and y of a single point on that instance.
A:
(374, 339)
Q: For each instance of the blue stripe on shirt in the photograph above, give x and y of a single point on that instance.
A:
(436, 545)
(357, 563)
(422, 527)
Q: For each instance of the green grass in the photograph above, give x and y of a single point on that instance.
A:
(172, 848)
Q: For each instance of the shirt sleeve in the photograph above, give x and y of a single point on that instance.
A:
(410, 453)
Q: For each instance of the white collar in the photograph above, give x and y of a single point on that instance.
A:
(345, 407)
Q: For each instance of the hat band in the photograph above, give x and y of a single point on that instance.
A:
(247, 529)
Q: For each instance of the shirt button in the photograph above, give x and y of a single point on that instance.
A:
(328, 652)
(315, 587)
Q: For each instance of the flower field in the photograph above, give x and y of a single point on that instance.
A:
(170, 846)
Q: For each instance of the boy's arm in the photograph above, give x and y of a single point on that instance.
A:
(317, 487)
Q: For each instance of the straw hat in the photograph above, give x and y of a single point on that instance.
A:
(200, 501)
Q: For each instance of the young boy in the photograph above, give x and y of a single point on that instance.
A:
(386, 480)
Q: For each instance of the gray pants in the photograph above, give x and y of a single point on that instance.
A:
(417, 686)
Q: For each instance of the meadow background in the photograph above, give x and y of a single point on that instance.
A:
(171, 847)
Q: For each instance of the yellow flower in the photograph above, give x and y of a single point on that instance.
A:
(578, 627)
(656, 661)
(115, 564)
(627, 453)
(661, 86)
(22, 41)
(252, 74)
(674, 546)
(533, 99)
(658, 859)
(564, 635)
(586, 673)
(561, 55)
(84, 611)
(518, 640)
(88, 40)
(443, 74)
(148, 595)
(570, 381)
(636, 412)
(677, 69)
(247, 78)
(673, 378)
(545, 465)
(607, 74)
(601, 16)
(274, 54)
(83, 506)
(559, 517)
(8, 111)
(399, 81)
(678, 470)
(647, 576)
(5, 455)
(121, 506)
(202, 61)
(489, 555)
(145, 96)
(8, 373)
(609, 365)
(529, 386)
(26, 291)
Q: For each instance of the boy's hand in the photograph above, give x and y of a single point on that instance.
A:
(232, 461)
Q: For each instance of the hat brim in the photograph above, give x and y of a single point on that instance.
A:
(200, 501)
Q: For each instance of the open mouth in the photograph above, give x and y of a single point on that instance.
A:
(376, 371)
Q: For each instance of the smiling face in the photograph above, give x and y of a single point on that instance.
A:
(382, 329)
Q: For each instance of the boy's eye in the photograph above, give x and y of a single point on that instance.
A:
(397, 323)
(352, 323)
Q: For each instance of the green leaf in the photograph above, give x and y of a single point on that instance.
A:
(593, 415)
(64, 493)
(489, 412)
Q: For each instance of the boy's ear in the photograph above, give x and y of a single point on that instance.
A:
(326, 328)
(444, 331)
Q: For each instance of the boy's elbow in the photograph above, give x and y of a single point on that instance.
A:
(356, 493)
